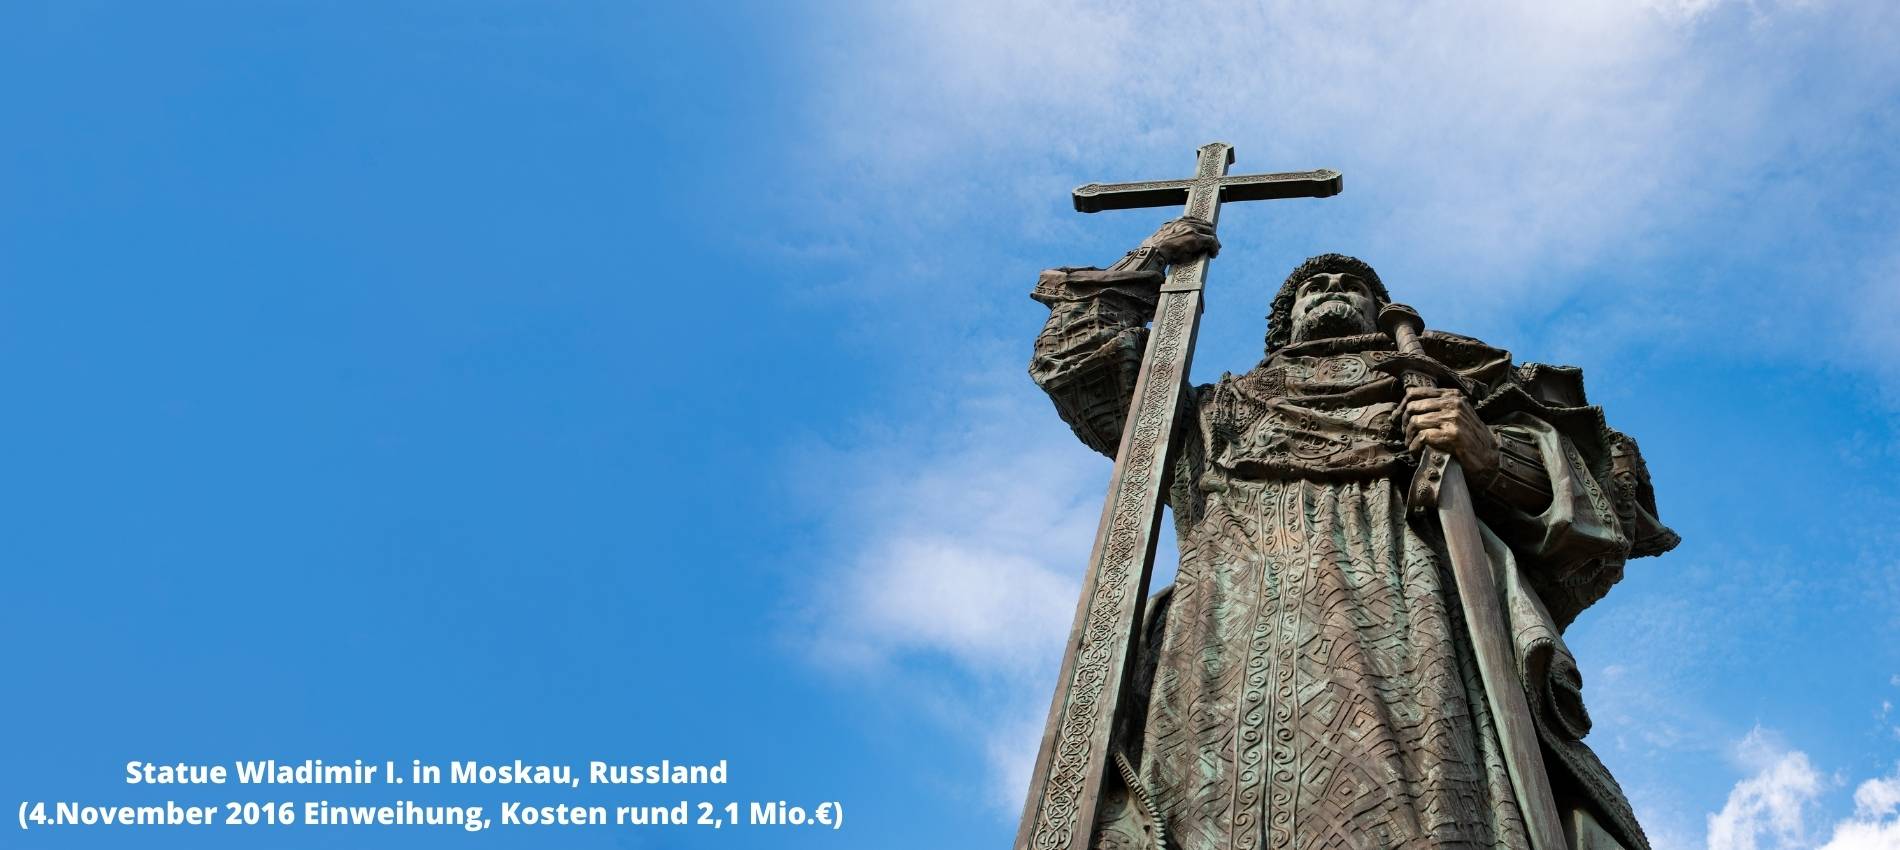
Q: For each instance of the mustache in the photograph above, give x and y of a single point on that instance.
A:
(1334, 298)
(1333, 317)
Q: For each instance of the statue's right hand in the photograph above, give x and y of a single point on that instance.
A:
(1184, 239)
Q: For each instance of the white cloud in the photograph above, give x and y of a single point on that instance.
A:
(973, 599)
(1772, 808)
(1683, 9)
(1875, 824)
(1506, 150)
(961, 565)
(1877, 798)
(1772, 805)
(1516, 132)
(1536, 155)
(968, 545)
(1011, 750)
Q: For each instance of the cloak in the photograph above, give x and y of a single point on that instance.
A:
(1307, 681)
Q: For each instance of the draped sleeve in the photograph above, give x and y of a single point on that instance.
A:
(1602, 510)
(1554, 563)
(1089, 352)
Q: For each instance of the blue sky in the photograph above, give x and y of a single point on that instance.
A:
(625, 381)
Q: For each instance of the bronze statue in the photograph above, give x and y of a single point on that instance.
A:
(1312, 678)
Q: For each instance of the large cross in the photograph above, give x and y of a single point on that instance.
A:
(1066, 788)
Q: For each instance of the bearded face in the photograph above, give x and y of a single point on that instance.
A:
(1331, 305)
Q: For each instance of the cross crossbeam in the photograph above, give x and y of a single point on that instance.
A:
(1096, 197)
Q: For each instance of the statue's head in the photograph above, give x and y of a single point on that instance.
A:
(1328, 296)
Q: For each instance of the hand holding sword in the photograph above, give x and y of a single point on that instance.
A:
(1442, 421)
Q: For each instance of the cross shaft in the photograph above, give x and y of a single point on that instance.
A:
(1067, 786)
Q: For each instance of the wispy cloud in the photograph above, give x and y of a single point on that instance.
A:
(969, 550)
(1528, 136)
(1505, 163)
(961, 565)
(1874, 339)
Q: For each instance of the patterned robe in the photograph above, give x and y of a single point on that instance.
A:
(1307, 682)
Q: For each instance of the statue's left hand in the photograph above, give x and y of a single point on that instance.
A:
(1444, 420)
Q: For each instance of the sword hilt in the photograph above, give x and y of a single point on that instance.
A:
(1404, 325)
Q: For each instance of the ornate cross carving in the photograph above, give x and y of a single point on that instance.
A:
(1066, 787)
